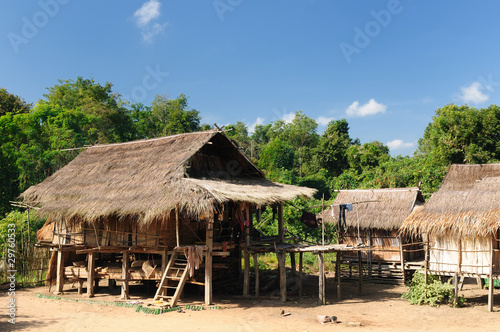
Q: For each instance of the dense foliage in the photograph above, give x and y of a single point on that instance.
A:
(36, 141)
(433, 293)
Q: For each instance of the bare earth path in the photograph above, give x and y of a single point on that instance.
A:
(379, 309)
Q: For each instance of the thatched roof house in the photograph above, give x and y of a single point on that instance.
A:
(376, 208)
(147, 179)
(461, 224)
(155, 197)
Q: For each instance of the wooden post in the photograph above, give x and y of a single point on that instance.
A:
(426, 259)
(360, 267)
(455, 284)
(322, 287)
(337, 274)
(164, 260)
(90, 274)
(60, 272)
(256, 267)
(281, 224)
(402, 258)
(246, 272)
(177, 233)
(293, 264)
(322, 223)
(491, 283)
(300, 274)
(281, 255)
(125, 268)
(369, 254)
(208, 259)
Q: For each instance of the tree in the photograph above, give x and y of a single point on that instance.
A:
(10, 103)
(277, 155)
(173, 116)
(463, 135)
(368, 155)
(331, 153)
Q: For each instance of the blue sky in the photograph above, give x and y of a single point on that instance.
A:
(385, 66)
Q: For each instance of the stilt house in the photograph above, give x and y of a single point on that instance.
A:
(130, 211)
(375, 219)
(460, 224)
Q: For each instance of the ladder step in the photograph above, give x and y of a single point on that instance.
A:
(163, 296)
(171, 287)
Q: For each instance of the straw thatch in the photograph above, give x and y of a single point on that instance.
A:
(382, 208)
(467, 203)
(150, 178)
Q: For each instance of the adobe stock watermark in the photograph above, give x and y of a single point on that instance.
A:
(223, 6)
(30, 27)
(150, 82)
(11, 272)
(363, 37)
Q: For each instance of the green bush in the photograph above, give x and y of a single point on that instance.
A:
(434, 292)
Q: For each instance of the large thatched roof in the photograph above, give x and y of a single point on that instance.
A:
(375, 208)
(148, 179)
(467, 203)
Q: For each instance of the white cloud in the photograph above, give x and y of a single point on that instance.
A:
(370, 108)
(323, 120)
(288, 117)
(474, 93)
(145, 19)
(149, 11)
(251, 127)
(398, 144)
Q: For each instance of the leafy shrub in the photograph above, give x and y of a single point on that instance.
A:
(434, 292)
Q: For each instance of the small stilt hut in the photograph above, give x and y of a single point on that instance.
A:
(460, 225)
(375, 219)
(132, 211)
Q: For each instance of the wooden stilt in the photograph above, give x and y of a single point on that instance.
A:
(360, 268)
(282, 269)
(402, 258)
(322, 288)
(60, 272)
(337, 274)
(90, 274)
(208, 261)
(455, 284)
(292, 263)
(491, 283)
(246, 272)
(300, 274)
(125, 268)
(426, 260)
(164, 260)
(256, 268)
(177, 226)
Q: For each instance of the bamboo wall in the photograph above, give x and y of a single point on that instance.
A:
(450, 253)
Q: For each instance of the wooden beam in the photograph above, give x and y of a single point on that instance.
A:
(246, 272)
(337, 274)
(293, 264)
(208, 260)
(360, 267)
(281, 223)
(402, 258)
(322, 287)
(177, 233)
(426, 260)
(256, 268)
(164, 260)
(90, 274)
(60, 272)
(125, 268)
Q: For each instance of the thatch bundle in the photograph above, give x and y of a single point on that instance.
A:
(468, 203)
(150, 178)
(375, 208)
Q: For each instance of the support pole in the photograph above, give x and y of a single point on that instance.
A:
(256, 267)
(402, 258)
(177, 233)
(491, 284)
(426, 259)
(164, 260)
(322, 288)
(282, 269)
(293, 264)
(246, 272)
(60, 272)
(125, 268)
(90, 274)
(281, 224)
(360, 268)
(455, 284)
(208, 260)
(300, 274)
(337, 274)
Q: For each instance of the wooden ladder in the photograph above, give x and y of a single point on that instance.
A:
(173, 280)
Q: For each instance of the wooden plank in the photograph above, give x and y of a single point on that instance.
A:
(426, 260)
(360, 269)
(322, 288)
(125, 267)
(256, 268)
(491, 283)
(402, 258)
(337, 274)
(60, 272)
(90, 274)
(177, 232)
(208, 260)
(300, 273)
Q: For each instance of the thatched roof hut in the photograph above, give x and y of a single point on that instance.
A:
(149, 178)
(467, 203)
(376, 208)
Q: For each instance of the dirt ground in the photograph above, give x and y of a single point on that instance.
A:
(378, 309)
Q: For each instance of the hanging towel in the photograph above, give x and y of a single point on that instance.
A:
(342, 208)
